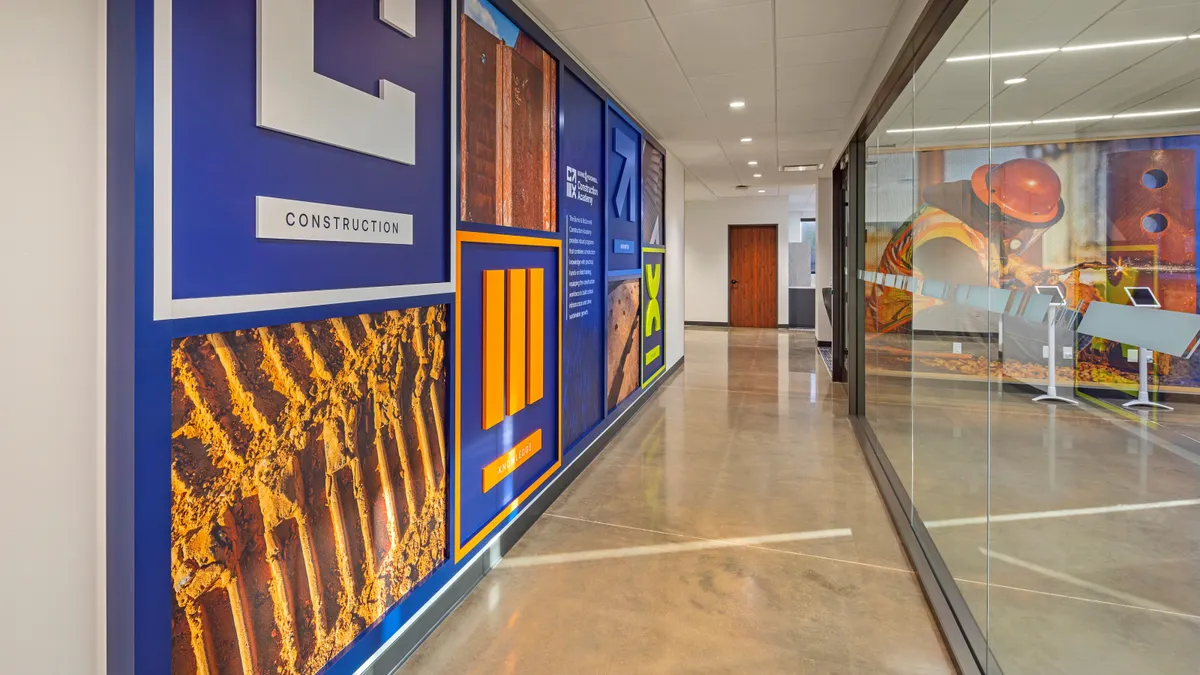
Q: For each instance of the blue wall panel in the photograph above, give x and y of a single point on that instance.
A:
(581, 143)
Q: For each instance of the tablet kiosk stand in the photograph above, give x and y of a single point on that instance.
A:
(1143, 296)
(1143, 399)
(1052, 390)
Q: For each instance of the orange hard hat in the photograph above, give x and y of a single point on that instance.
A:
(1025, 190)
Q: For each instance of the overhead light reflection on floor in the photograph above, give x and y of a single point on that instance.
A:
(665, 549)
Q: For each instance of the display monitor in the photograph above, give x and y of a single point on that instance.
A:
(1142, 296)
(1055, 293)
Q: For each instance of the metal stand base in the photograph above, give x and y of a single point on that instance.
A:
(1147, 404)
(1051, 397)
(1143, 399)
(1051, 369)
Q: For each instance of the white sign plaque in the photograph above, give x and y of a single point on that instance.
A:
(308, 221)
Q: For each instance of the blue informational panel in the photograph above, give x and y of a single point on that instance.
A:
(507, 440)
(581, 143)
(307, 153)
(624, 195)
(654, 298)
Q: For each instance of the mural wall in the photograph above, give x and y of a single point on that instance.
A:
(1094, 219)
(509, 114)
(582, 222)
(309, 486)
(624, 339)
(346, 358)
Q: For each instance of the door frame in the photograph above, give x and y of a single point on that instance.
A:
(729, 272)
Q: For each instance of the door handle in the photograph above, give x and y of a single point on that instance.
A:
(733, 282)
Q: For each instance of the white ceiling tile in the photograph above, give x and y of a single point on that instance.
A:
(822, 76)
(698, 153)
(667, 7)
(812, 17)
(797, 104)
(726, 40)
(1151, 22)
(631, 40)
(821, 140)
(568, 14)
(849, 45)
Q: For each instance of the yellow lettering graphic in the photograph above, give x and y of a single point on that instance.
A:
(653, 309)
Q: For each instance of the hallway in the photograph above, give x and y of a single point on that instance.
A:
(733, 527)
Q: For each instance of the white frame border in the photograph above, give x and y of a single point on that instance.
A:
(166, 307)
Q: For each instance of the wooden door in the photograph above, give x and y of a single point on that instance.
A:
(753, 255)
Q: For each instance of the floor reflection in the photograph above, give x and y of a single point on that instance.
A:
(732, 527)
(1090, 559)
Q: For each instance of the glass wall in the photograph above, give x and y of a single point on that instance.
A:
(1031, 310)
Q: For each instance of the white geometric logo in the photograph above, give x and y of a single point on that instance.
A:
(294, 99)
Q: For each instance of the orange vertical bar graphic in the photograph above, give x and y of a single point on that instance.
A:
(517, 282)
(536, 338)
(493, 348)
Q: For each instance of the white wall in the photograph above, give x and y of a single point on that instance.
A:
(51, 60)
(706, 254)
(824, 254)
(675, 262)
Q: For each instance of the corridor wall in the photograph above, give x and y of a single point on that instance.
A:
(380, 271)
(51, 619)
(706, 256)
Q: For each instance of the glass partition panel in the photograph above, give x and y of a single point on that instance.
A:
(956, 332)
(1032, 317)
(888, 305)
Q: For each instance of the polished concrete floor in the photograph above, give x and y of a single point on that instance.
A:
(1073, 532)
(732, 527)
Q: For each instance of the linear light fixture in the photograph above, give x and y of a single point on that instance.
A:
(1050, 120)
(1002, 55)
(1124, 43)
(1039, 51)
(1157, 113)
(1081, 118)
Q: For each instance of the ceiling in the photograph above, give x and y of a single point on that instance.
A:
(1102, 81)
(799, 66)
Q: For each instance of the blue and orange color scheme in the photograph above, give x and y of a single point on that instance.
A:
(514, 342)
(508, 372)
(654, 295)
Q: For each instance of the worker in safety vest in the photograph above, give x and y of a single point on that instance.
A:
(968, 232)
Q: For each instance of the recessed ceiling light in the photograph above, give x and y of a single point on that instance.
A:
(758, 175)
(1015, 80)
(802, 167)
(747, 140)
(752, 163)
(737, 104)
(762, 192)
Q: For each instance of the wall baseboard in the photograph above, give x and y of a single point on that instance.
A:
(955, 334)
(717, 324)
(400, 647)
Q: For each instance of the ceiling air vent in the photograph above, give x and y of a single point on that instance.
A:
(802, 167)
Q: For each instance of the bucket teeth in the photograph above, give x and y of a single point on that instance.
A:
(308, 473)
